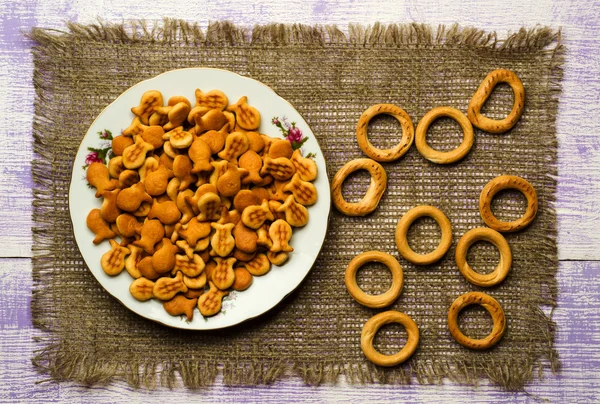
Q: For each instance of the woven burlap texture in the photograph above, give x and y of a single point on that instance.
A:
(331, 78)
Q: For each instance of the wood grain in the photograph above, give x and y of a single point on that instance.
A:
(577, 345)
(578, 191)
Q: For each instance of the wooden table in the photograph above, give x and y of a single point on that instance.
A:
(578, 206)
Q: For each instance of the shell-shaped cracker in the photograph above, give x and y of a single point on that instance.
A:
(179, 138)
(263, 236)
(281, 233)
(219, 168)
(136, 128)
(113, 261)
(166, 212)
(119, 143)
(243, 279)
(245, 198)
(128, 178)
(245, 238)
(115, 166)
(109, 209)
(223, 276)
(150, 100)
(295, 214)
(212, 120)
(222, 241)
(215, 139)
(97, 175)
(246, 116)
(152, 232)
(182, 169)
(196, 282)
(252, 162)
(189, 267)
(156, 182)
(141, 289)
(187, 213)
(305, 167)
(230, 182)
(99, 226)
(154, 136)
(163, 260)
(146, 269)
(304, 192)
(236, 144)
(135, 155)
(166, 288)
(200, 154)
(254, 216)
(150, 165)
(130, 199)
(212, 99)
(277, 258)
(280, 168)
(177, 115)
(209, 206)
(128, 225)
(281, 148)
(260, 265)
(209, 303)
(255, 141)
(132, 261)
(181, 305)
(194, 231)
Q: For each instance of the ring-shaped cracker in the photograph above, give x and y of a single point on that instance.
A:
(488, 303)
(408, 219)
(385, 155)
(374, 301)
(482, 94)
(507, 182)
(437, 156)
(371, 199)
(375, 323)
(491, 236)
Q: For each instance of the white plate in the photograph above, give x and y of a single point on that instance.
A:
(266, 291)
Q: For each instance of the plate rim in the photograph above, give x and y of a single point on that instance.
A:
(145, 316)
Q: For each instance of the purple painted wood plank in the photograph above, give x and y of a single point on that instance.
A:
(578, 191)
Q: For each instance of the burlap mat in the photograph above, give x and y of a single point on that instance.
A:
(330, 78)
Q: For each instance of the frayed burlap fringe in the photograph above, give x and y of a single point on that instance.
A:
(179, 31)
(61, 362)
